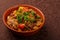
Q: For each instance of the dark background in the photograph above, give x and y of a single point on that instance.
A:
(51, 10)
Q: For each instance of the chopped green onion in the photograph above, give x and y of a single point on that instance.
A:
(25, 18)
(32, 20)
(26, 13)
(19, 18)
(32, 12)
(37, 17)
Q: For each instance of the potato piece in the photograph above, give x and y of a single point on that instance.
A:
(15, 26)
(14, 22)
(14, 13)
(35, 27)
(19, 30)
(9, 17)
(20, 8)
(8, 23)
(11, 21)
(39, 23)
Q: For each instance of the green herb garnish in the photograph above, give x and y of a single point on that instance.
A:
(32, 20)
(37, 17)
(32, 12)
(19, 18)
(26, 13)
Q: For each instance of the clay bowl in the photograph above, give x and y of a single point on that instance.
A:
(23, 33)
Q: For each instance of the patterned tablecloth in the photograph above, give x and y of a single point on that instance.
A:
(51, 10)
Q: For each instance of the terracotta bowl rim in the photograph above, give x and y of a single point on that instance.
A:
(28, 6)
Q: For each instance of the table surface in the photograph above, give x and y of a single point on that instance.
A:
(51, 10)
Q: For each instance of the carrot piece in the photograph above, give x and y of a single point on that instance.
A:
(25, 9)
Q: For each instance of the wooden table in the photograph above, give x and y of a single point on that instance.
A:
(51, 10)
